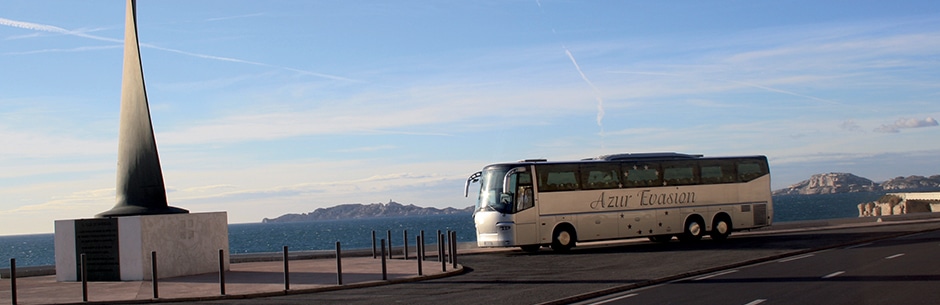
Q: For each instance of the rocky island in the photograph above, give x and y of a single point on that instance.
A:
(358, 211)
(835, 183)
(919, 192)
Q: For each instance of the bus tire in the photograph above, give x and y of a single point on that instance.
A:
(530, 248)
(660, 238)
(563, 239)
(721, 227)
(694, 230)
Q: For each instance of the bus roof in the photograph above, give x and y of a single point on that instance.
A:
(655, 156)
(640, 156)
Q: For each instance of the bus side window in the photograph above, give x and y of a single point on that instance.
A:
(717, 172)
(600, 176)
(558, 177)
(679, 173)
(641, 174)
(750, 169)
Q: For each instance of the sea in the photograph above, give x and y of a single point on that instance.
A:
(38, 249)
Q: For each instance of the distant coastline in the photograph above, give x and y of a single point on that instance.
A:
(840, 183)
(361, 211)
(828, 183)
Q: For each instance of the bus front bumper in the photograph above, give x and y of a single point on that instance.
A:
(502, 238)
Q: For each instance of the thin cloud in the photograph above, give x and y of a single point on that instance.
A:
(850, 126)
(905, 124)
(367, 149)
(235, 17)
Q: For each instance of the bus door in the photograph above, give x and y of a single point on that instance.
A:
(523, 201)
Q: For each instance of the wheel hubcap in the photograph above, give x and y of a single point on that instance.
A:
(564, 238)
(695, 229)
(722, 227)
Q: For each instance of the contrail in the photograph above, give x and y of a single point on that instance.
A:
(784, 92)
(597, 94)
(52, 29)
(55, 29)
(752, 85)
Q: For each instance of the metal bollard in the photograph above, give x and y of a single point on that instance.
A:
(153, 274)
(388, 241)
(405, 251)
(13, 281)
(84, 278)
(450, 243)
(373, 244)
(286, 271)
(221, 272)
(440, 246)
(339, 265)
(418, 254)
(453, 249)
(384, 270)
(442, 254)
(422, 245)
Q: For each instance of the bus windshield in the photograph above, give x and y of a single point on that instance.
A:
(491, 189)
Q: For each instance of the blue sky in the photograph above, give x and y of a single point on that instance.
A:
(263, 108)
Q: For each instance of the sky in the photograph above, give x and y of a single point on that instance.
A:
(263, 108)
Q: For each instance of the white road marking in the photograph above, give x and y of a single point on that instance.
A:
(755, 302)
(895, 256)
(795, 258)
(715, 274)
(859, 245)
(834, 274)
(615, 299)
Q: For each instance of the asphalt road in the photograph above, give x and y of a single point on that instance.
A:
(516, 277)
(900, 270)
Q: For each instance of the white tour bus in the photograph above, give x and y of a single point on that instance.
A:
(535, 203)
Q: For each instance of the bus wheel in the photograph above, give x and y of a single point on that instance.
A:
(563, 239)
(721, 228)
(531, 248)
(660, 238)
(694, 229)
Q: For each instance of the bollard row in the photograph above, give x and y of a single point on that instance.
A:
(446, 243)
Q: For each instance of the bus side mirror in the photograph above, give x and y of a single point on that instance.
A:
(473, 178)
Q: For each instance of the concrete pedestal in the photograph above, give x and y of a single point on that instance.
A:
(119, 248)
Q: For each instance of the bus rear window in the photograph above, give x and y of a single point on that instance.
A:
(750, 169)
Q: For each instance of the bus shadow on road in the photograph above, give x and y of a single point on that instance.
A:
(789, 241)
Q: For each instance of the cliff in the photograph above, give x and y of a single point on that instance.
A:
(912, 183)
(356, 210)
(833, 183)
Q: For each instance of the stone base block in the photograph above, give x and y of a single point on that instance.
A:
(119, 248)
